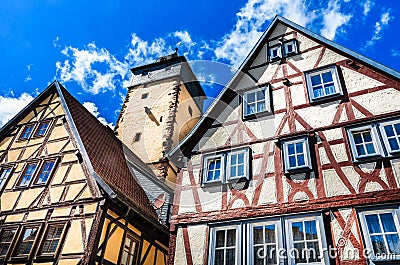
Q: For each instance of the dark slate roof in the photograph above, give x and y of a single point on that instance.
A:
(106, 155)
(226, 95)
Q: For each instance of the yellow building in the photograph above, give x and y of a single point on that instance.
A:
(68, 196)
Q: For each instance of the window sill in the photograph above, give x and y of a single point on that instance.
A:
(256, 115)
(368, 159)
(294, 171)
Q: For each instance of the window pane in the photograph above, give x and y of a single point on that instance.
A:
(370, 148)
(251, 97)
(291, 149)
(360, 150)
(315, 80)
(311, 229)
(297, 231)
(388, 222)
(357, 138)
(300, 160)
(261, 106)
(240, 171)
(259, 253)
(393, 243)
(299, 147)
(233, 160)
(220, 236)
(329, 89)
(327, 77)
(230, 256)
(397, 128)
(270, 234)
(217, 174)
(394, 145)
(313, 251)
(231, 238)
(373, 223)
(299, 253)
(271, 255)
(367, 136)
(240, 158)
(292, 161)
(378, 244)
(251, 109)
(219, 257)
(318, 92)
(258, 235)
(260, 95)
(389, 130)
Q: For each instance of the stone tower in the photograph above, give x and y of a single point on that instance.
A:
(163, 103)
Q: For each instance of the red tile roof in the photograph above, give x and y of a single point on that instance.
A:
(106, 154)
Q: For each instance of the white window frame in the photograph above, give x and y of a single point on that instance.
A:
(212, 244)
(375, 142)
(385, 137)
(321, 238)
(266, 100)
(335, 78)
(396, 214)
(246, 161)
(206, 161)
(278, 236)
(278, 48)
(285, 47)
(4, 175)
(306, 150)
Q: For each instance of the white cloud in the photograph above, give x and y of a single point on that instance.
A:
(95, 69)
(10, 106)
(250, 25)
(379, 26)
(92, 108)
(333, 19)
(55, 42)
(395, 53)
(367, 7)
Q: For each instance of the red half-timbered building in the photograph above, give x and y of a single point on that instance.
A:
(296, 161)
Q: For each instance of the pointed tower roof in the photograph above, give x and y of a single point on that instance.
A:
(102, 151)
(227, 94)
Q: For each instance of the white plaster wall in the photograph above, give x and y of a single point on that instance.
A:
(197, 242)
(180, 254)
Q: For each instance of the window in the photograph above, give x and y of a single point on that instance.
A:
(381, 233)
(323, 83)
(391, 135)
(137, 137)
(290, 47)
(190, 111)
(275, 52)
(364, 142)
(27, 175)
(305, 240)
(42, 128)
(296, 154)
(129, 251)
(45, 172)
(284, 240)
(4, 173)
(238, 164)
(144, 95)
(52, 239)
(26, 132)
(256, 101)
(7, 236)
(26, 241)
(265, 243)
(226, 166)
(214, 168)
(224, 246)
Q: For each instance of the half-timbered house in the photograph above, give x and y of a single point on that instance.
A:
(296, 161)
(68, 194)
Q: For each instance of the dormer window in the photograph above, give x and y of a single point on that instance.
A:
(256, 101)
(275, 52)
(290, 47)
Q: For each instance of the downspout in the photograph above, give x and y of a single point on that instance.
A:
(108, 232)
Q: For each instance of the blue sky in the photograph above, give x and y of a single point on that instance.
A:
(90, 46)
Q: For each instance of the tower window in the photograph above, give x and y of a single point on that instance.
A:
(145, 95)
(190, 111)
(137, 137)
